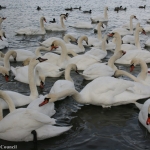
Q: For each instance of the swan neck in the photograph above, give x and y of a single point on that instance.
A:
(104, 44)
(144, 68)
(118, 43)
(42, 24)
(66, 38)
(105, 14)
(131, 25)
(137, 41)
(32, 83)
(6, 60)
(112, 61)
(67, 73)
(80, 45)
(99, 33)
(62, 23)
(37, 51)
(9, 101)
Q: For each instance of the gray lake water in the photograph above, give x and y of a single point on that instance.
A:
(94, 127)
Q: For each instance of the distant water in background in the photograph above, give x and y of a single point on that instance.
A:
(94, 127)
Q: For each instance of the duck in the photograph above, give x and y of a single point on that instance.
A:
(100, 69)
(20, 99)
(33, 30)
(142, 6)
(144, 74)
(82, 61)
(102, 91)
(123, 31)
(90, 11)
(143, 116)
(34, 122)
(76, 48)
(123, 8)
(68, 83)
(57, 27)
(95, 19)
(2, 7)
(77, 8)
(53, 21)
(3, 41)
(38, 8)
(69, 9)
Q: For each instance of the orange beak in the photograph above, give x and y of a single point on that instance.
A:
(41, 85)
(46, 100)
(53, 47)
(7, 78)
(148, 121)
(110, 35)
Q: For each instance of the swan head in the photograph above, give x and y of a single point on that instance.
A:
(55, 44)
(14, 55)
(73, 67)
(140, 29)
(100, 24)
(119, 54)
(148, 119)
(134, 62)
(63, 16)
(49, 98)
(133, 17)
(2, 54)
(83, 38)
(114, 34)
(106, 8)
(2, 34)
(43, 18)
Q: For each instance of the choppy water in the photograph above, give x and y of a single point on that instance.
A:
(93, 127)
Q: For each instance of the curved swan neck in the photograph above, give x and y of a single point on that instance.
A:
(118, 43)
(6, 59)
(112, 61)
(8, 100)
(80, 45)
(131, 24)
(67, 73)
(105, 13)
(137, 41)
(99, 33)
(62, 22)
(42, 23)
(67, 38)
(37, 51)
(104, 43)
(121, 72)
(63, 55)
(144, 68)
(32, 84)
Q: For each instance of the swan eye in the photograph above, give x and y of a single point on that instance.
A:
(52, 45)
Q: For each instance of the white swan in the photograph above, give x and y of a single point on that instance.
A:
(136, 41)
(82, 25)
(19, 99)
(57, 27)
(68, 83)
(144, 114)
(125, 47)
(103, 91)
(147, 43)
(144, 74)
(27, 120)
(95, 19)
(76, 48)
(67, 38)
(99, 53)
(123, 31)
(99, 69)
(33, 30)
(3, 41)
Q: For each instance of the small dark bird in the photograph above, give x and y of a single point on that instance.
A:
(123, 8)
(77, 8)
(142, 6)
(53, 21)
(2, 7)
(38, 8)
(68, 9)
(90, 11)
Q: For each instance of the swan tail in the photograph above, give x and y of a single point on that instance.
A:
(138, 105)
(48, 131)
